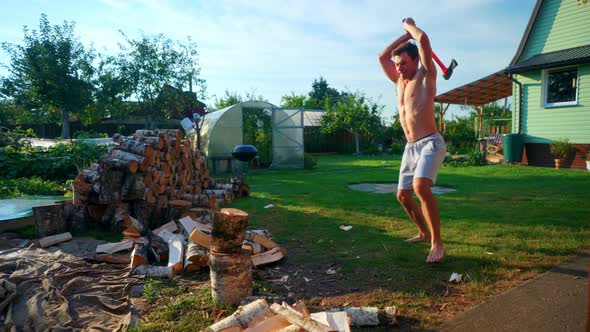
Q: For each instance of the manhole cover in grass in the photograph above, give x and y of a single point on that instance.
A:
(388, 188)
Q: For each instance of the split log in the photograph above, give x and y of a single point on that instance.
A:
(270, 324)
(54, 239)
(263, 241)
(169, 226)
(196, 213)
(231, 277)
(153, 271)
(252, 247)
(111, 248)
(369, 316)
(176, 253)
(200, 238)
(337, 321)
(49, 220)
(196, 258)
(291, 328)
(267, 257)
(245, 316)
(113, 258)
(229, 227)
(188, 224)
(294, 317)
(139, 256)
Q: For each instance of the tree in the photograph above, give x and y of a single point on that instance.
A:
(230, 98)
(147, 64)
(354, 113)
(50, 74)
(293, 101)
(320, 93)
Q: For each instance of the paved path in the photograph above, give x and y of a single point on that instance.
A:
(552, 301)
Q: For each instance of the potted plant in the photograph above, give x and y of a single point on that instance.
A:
(561, 150)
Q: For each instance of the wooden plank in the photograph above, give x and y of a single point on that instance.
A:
(111, 248)
(267, 257)
(54, 239)
(200, 238)
(176, 253)
(270, 324)
(298, 319)
(337, 321)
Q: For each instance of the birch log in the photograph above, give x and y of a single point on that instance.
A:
(231, 277)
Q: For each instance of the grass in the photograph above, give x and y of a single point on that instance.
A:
(505, 224)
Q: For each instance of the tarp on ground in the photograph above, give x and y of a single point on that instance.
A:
(57, 289)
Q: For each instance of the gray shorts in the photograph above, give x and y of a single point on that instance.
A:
(421, 159)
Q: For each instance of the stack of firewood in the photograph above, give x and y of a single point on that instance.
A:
(157, 174)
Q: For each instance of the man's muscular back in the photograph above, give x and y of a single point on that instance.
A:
(415, 102)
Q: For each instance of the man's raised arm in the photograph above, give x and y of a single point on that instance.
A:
(385, 58)
(423, 45)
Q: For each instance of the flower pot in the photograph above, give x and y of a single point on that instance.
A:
(559, 163)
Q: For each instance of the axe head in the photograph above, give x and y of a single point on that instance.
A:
(450, 69)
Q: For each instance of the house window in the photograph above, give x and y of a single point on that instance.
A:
(561, 87)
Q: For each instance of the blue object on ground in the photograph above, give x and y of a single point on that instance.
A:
(20, 207)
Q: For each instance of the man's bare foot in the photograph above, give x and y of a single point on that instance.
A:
(418, 238)
(437, 253)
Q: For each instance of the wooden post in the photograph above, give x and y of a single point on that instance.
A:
(231, 277)
(229, 227)
(49, 220)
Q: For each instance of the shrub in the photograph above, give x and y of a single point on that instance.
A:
(561, 148)
(16, 139)
(82, 134)
(30, 186)
(57, 163)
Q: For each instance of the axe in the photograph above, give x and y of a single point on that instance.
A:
(447, 71)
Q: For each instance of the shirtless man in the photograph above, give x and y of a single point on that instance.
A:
(425, 150)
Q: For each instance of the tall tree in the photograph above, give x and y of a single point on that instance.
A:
(49, 74)
(148, 63)
(230, 98)
(320, 93)
(353, 112)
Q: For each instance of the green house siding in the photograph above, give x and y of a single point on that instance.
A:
(559, 25)
(543, 124)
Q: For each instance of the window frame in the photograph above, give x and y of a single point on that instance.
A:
(545, 86)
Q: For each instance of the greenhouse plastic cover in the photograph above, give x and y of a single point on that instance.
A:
(20, 207)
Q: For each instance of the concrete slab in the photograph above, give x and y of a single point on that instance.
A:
(552, 301)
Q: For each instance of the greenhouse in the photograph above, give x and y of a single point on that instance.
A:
(276, 132)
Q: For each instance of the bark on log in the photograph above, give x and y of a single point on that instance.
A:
(49, 220)
(231, 277)
(369, 316)
(196, 258)
(154, 141)
(108, 162)
(142, 162)
(54, 239)
(89, 176)
(337, 321)
(227, 234)
(245, 316)
(133, 187)
(80, 190)
(110, 186)
(136, 147)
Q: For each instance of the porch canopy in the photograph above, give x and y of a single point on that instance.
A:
(481, 92)
(477, 94)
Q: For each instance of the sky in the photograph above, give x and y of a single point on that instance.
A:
(275, 48)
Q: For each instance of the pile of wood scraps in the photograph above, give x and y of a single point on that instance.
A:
(179, 246)
(259, 316)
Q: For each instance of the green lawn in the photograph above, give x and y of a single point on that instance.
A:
(504, 225)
